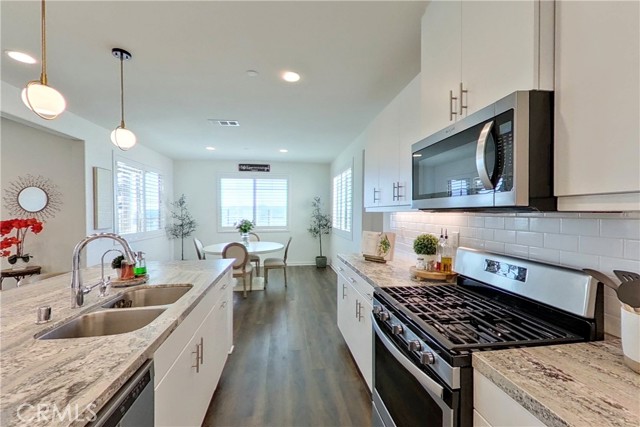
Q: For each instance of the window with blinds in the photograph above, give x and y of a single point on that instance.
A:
(342, 200)
(265, 201)
(138, 199)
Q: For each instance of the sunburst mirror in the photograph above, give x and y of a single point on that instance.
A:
(33, 197)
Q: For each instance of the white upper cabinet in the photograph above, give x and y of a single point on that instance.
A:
(597, 130)
(476, 52)
(387, 159)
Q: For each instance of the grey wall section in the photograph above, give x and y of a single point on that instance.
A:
(26, 150)
(198, 180)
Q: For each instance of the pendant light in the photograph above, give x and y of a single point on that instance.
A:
(122, 137)
(38, 96)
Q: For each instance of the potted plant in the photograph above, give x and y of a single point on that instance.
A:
(426, 245)
(320, 224)
(183, 223)
(244, 226)
(22, 227)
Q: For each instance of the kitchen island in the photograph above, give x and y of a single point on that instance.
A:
(77, 376)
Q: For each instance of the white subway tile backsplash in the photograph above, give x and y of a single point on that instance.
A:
(468, 242)
(468, 232)
(632, 249)
(494, 247)
(561, 241)
(476, 221)
(625, 228)
(516, 223)
(485, 234)
(545, 225)
(530, 238)
(520, 251)
(577, 260)
(494, 222)
(607, 265)
(506, 236)
(579, 227)
(546, 255)
(600, 246)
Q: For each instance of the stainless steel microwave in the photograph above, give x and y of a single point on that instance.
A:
(498, 158)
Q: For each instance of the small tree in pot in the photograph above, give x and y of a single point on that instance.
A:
(320, 224)
(426, 244)
(183, 223)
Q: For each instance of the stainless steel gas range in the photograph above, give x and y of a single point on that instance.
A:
(425, 335)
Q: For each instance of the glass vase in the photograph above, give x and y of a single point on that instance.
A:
(245, 239)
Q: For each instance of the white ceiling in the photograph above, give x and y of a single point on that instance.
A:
(190, 61)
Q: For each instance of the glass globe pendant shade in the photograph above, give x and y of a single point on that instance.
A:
(43, 100)
(123, 138)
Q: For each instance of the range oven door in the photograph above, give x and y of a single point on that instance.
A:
(405, 395)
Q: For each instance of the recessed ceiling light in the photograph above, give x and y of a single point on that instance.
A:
(210, 148)
(290, 76)
(417, 155)
(252, 73)
(20, 56)
(284, 151)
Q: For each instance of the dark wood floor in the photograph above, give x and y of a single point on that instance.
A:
(290, 365)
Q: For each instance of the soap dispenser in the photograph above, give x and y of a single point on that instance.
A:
(141, 264)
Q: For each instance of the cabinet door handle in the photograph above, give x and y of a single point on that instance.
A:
(344, 291)
(224, 286)
(197, 354)
(375, 199)
(352, 280)
(463, 92)
(357, 309)
(394, 195)
(399, 196)
(201, 350)
(370, 297)
(452, 110)
(223, 305)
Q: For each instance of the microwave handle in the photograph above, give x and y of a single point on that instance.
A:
(481, 164)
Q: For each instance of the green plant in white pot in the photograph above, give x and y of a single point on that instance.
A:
(320, 224)
(426, 245)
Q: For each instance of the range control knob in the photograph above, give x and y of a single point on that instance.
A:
(414, 345)
(383, 315)
(377, 309)
(396, 329)
(426, 358)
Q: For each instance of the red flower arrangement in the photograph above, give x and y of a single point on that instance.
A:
(21, 226)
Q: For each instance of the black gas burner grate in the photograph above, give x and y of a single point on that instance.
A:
(462, 320)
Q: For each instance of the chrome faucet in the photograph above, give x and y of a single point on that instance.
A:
(77, 289)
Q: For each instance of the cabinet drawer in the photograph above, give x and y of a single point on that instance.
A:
(171, 348)
(362, 286)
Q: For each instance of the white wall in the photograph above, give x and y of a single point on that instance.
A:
(26, 150)
(601, 241)
(198, 181)
(98, 151)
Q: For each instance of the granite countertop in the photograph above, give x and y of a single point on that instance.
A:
(584, 384)
(391, 273)
(82, 374)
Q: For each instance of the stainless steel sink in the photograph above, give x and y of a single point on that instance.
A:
(149, 297)
(105, 322)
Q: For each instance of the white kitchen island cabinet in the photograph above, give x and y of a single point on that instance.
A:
(189, 363)
(476, 52)
(597, 106)
(355, 302)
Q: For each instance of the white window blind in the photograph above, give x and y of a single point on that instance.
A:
(264, 201)
(342, 201)
(138, 199)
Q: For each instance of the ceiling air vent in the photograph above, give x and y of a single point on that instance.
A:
(225, 122)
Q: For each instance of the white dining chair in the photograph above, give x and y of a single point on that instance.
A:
(199, 248)
(241, 265)
(273, 263)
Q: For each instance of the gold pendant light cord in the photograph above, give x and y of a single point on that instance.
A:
(121, 91)
(43, 75)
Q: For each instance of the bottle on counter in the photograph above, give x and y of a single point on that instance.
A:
(447, 254)
(141, 264)
(439, 251)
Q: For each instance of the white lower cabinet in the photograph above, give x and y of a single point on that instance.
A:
(355, 298)
(184, 390)
(492, 407)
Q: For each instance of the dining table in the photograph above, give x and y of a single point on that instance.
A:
(253, 248)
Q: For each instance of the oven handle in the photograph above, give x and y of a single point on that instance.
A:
(429, 384)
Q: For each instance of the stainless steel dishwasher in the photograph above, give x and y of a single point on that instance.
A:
(132, 405)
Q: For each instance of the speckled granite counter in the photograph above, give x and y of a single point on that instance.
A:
(391, 273)
(585, 384)
(82, 374)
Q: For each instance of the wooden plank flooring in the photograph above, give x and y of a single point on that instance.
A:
(290, 365)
